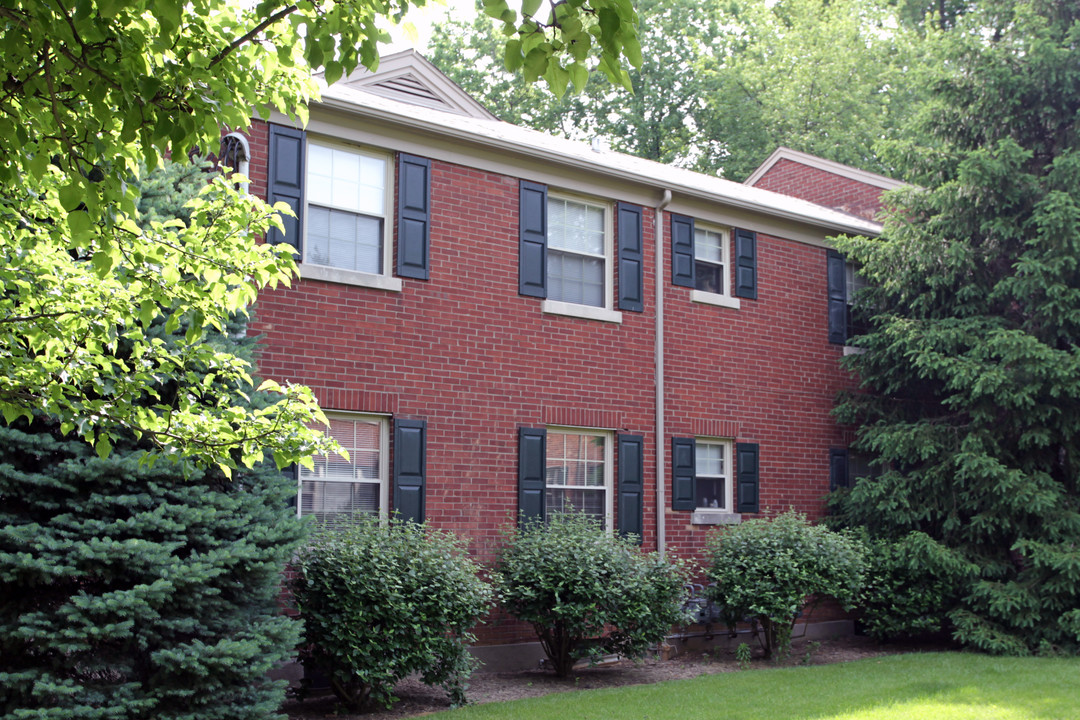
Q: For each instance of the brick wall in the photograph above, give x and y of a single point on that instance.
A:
(822, 187)
(477, 360)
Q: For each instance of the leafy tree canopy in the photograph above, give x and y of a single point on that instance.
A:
(95, 89)
(971, 376)
(721, 85)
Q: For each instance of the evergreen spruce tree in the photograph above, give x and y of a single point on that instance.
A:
(971, 377)
(137, 590)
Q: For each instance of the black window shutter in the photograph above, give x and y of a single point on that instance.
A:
(414, 216)
(410, 468)
(631, 258)
(632, 485)
(292, 472)
(285, 182)
(532, 250)
(745, 264)
(746, 477)
(837, 298)
(683, 473)
(838, 468)
(532, 474)
(682, 250)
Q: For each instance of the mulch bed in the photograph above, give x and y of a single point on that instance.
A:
(484, 687)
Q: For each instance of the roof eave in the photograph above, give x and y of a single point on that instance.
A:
(858, 226)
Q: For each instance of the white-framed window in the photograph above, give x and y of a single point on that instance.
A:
(853, 283)
(336, 488)
(579, 472)
(712, 483)
(348, 194)
(712, 260)
(579, 249)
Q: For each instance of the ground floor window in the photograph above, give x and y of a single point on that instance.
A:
(712, 482)
(579, 473)
(336, 488)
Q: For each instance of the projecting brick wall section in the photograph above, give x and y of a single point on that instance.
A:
(822, 187)
(477, 360)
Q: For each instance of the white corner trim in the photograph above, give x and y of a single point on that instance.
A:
(714, 517)
(349, 277)
(700, 296)
(555, 307)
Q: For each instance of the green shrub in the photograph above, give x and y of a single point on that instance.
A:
(587, 592)
(765, 570)
(911, 584)
(133, 591)
(381, 601)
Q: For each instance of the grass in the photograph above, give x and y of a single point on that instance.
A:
(936, 686)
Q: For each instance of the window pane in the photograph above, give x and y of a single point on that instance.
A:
(589, 502)
(576, 460)
(575, 227)
(708, 277)
(708, 246)
(345, 240)
(710, 459)
(575, 278)
(334, 502)
(710, 492)
(346, 180)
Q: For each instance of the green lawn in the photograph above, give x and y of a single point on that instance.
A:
(939, 686)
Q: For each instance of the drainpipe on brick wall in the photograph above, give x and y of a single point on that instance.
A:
(661, 529)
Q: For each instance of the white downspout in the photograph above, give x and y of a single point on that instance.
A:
(661, 503)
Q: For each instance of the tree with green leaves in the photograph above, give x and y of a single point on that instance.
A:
(720, 86)
(139, 590)
(94, 90)
(661, 119)
(970, 379)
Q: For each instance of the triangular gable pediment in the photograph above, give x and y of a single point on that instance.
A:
(409, 77)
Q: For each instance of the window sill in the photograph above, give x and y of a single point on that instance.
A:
(588, 312)
(708, 516)
(717, 299)
(852, 350)
(349, 277)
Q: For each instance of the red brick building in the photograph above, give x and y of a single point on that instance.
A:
(499, 322)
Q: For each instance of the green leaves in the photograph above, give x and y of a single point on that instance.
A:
(766, 570)
(970, 378)
(384, 600)
(587, 593)
(555, 47)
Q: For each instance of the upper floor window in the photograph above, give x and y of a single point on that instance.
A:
(566, 254)
(719, 265)
(342, 198)
(347, 200)
(844, 284)
(577, 252)
(711, 260)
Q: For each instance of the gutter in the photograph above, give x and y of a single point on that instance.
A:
(661, 500)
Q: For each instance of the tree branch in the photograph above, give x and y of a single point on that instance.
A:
(249, 36)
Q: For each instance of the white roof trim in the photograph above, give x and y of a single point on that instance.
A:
(403, 71)
(505, 137)
(852, 173)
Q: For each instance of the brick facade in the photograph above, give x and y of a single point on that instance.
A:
(476, 360)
